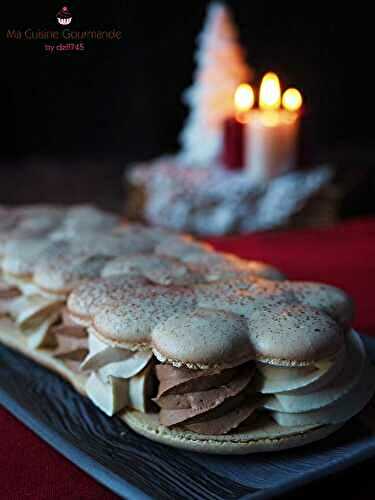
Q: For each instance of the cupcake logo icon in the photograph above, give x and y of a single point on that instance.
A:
(64, 16)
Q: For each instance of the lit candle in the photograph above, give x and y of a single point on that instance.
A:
(233, 135)
(272, 132)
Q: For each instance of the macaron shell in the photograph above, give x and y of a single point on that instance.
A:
(327, 298)
(93, 295)
(243, 295)
(181, 247)
(227, 296)
(158, 269)
(264, 290)
(83, 219)
(153, 234)
(212, 264)
(202, 338)
(70, 261)
(129, 265)
(21, 255)
(83, 296)
(40, 219)
(62, 275)
(264, 270)
(293, 334)
(261, 436)
(280, 330)
(219, 266)
(131, 321)
(330, 299)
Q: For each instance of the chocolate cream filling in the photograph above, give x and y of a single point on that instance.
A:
(214, 402)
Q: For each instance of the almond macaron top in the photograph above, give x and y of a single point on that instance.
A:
(202, 339)
(181, 247)
(187, 328)
(159, 269)
(91, 296)
(130, 321)
(40, 219)
(293, 334)
(81, 219)
(69, 262)
(332, 300)
(219, 266)
(21, 255)
(61, 275)
(280, 334)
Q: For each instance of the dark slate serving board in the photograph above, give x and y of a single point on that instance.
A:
(137, 468)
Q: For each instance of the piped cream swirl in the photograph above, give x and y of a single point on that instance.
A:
(329, 393)
(116, 376)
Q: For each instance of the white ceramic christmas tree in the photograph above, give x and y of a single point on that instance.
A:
(221, 67)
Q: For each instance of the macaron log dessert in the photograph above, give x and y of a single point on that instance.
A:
(190, 347)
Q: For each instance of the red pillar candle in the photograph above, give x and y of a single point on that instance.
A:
(233, 144)
(233, 155)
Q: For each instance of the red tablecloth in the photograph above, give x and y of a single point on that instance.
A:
(343, 255)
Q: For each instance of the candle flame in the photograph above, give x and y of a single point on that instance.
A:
(243, 98)
(243, 101)
(292, 100)
(270, 92)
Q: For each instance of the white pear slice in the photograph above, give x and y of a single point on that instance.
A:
(339, 411)
(344, 381)
(3, 282)
(128, 367)
(107, 356)
(101, 354)
(110, 396)
(95, 344)
(6, 305)
(281, 379)
(140, 387)
(113, 361)
(10, 279)
(27, 287)
(17, 305)
(331, 374)
(40, 336)
(33, 310)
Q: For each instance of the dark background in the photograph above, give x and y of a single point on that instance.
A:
(76, 119)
